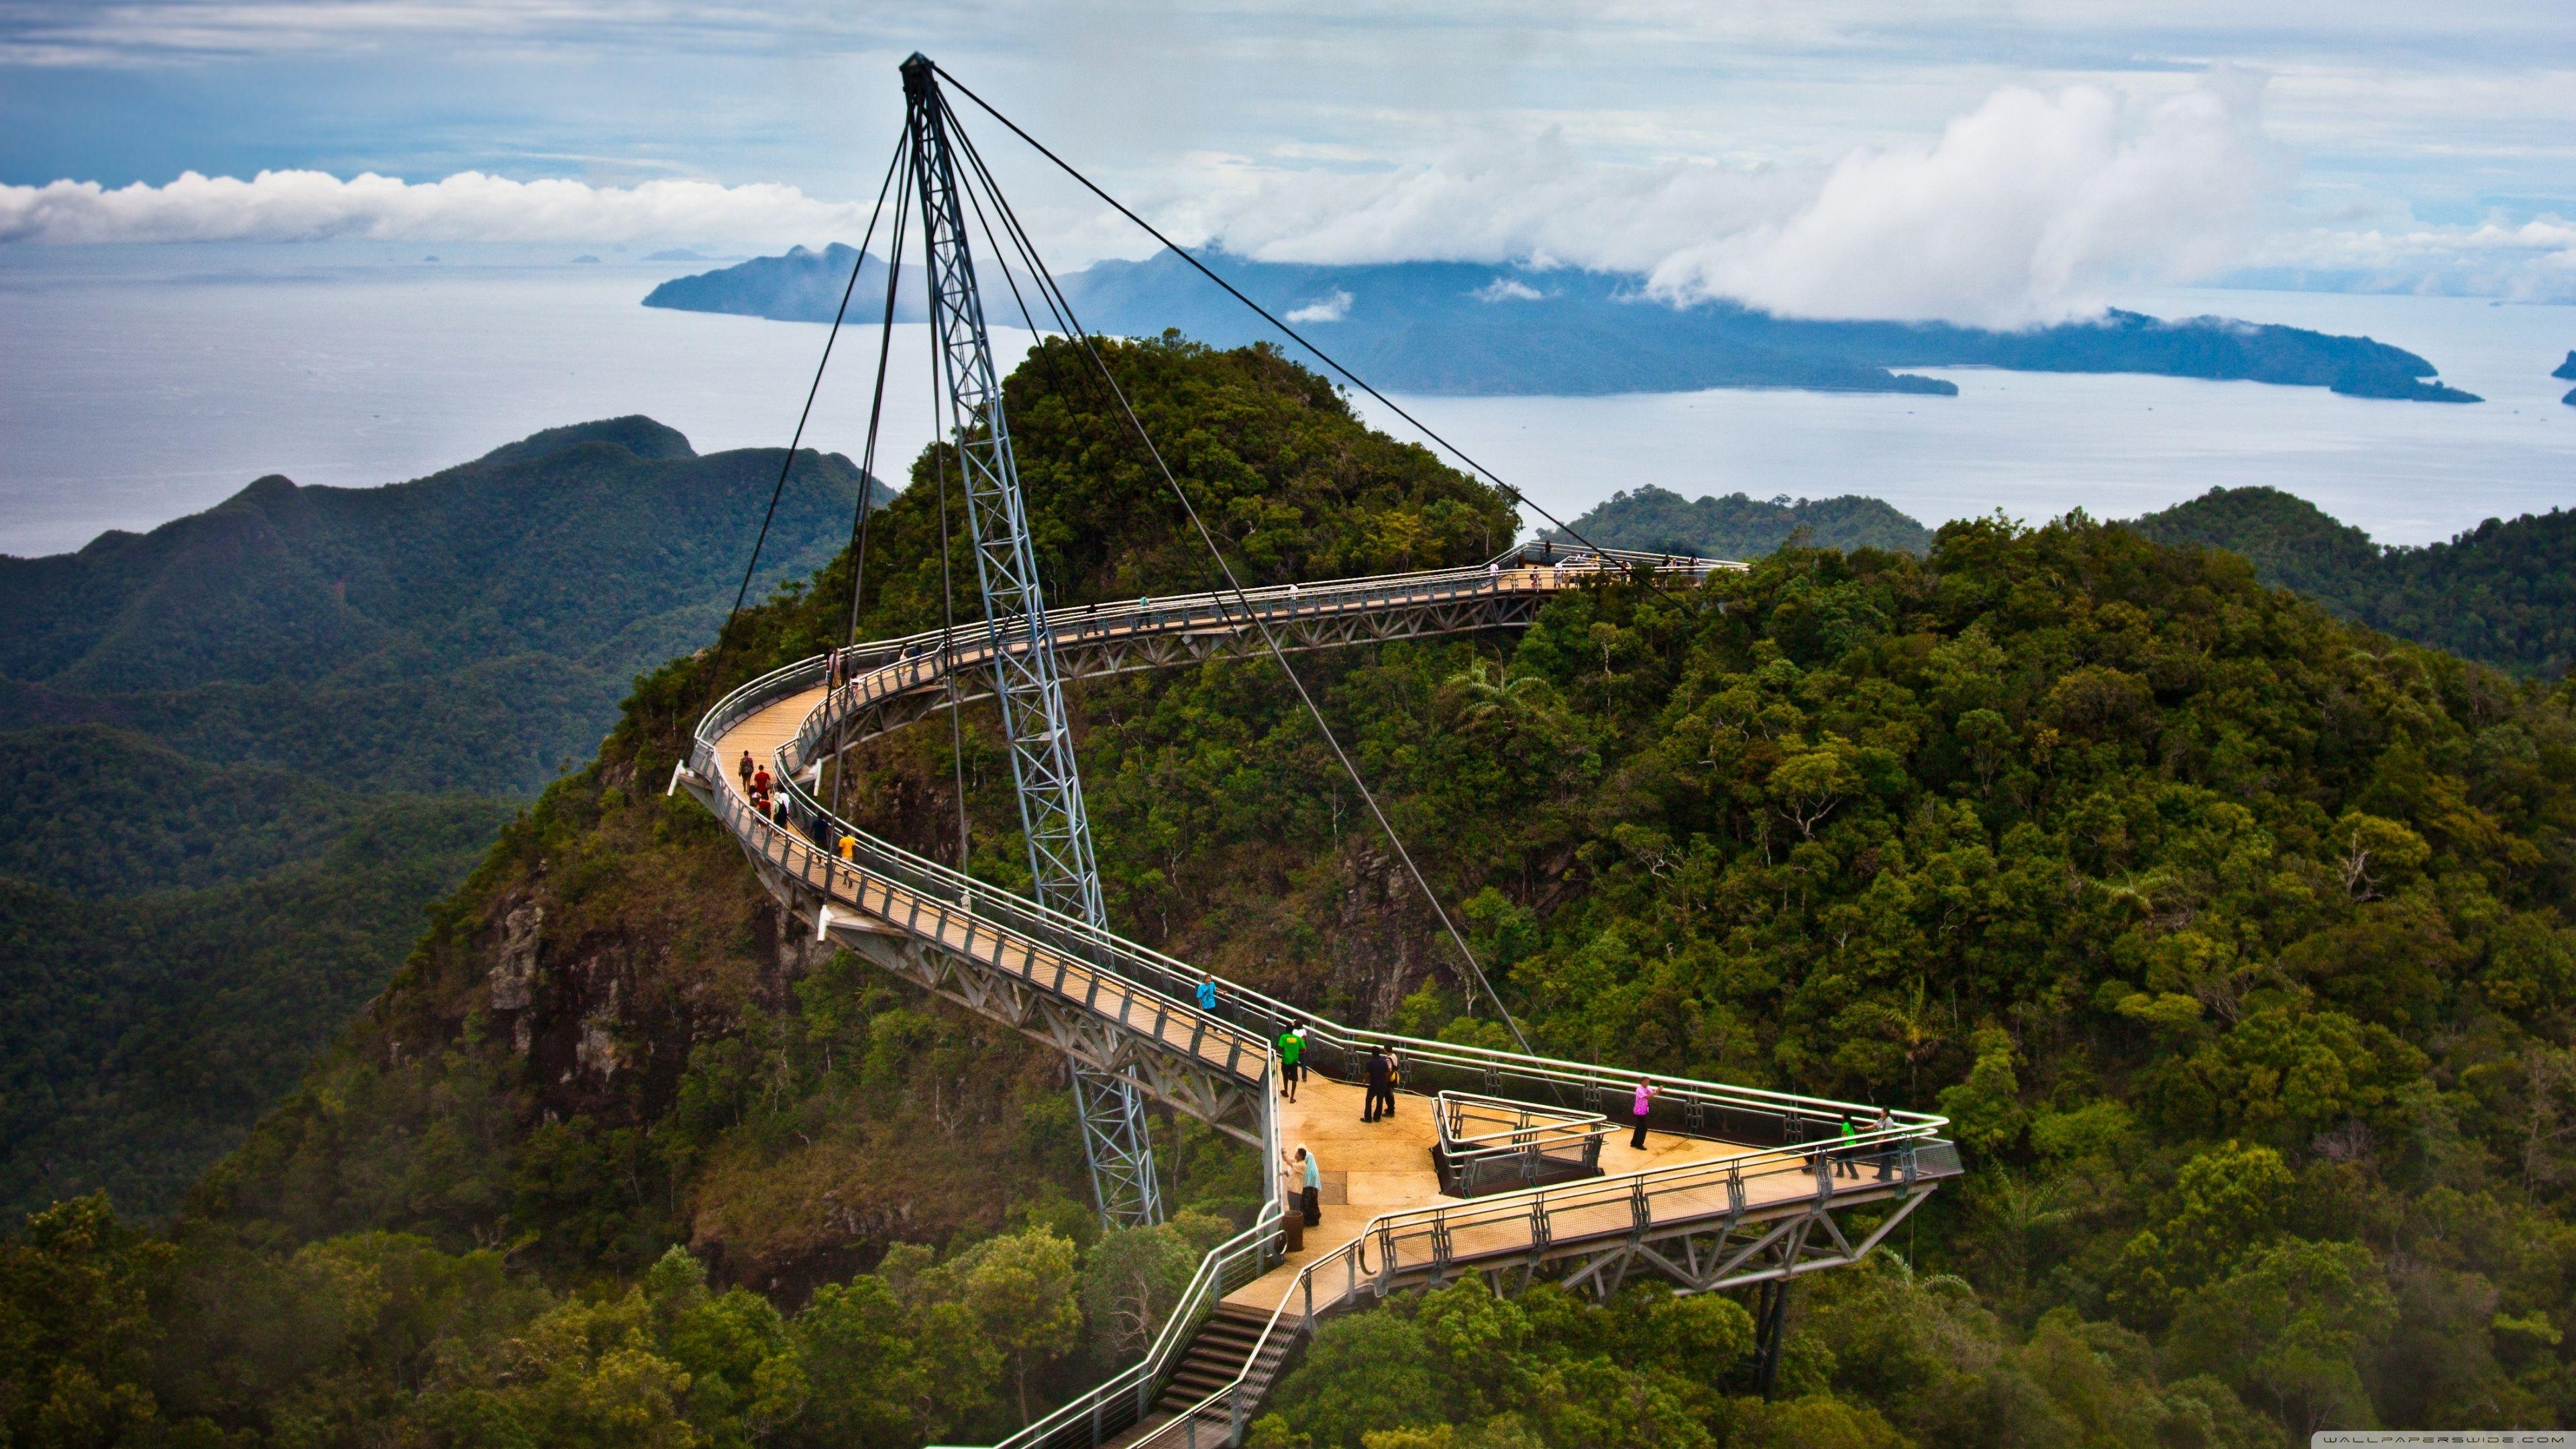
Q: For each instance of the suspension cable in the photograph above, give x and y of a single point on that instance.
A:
(868, 454)
(876, 410)
(1045, 281)
(787, 464)
(1637, 571)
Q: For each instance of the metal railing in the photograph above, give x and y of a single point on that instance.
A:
(1126, 1397)
(1794, 1134)
(1495, 1144)
(1633, 1199)
(1045, 948)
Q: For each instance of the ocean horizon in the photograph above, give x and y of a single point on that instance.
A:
(141, 384)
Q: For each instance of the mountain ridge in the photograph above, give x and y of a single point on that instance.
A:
(550, 569)
(2503, 593)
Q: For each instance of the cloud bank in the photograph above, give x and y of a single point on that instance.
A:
(2031, 208)
(296, 206)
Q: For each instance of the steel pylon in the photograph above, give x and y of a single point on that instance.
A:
(1026, 683)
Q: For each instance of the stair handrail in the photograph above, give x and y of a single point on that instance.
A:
(1206, 1289)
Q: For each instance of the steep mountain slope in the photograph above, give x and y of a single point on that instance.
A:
(214, 850)
(2503, 593)
(1659, 520)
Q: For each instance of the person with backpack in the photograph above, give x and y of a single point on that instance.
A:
(1207, 991)
(745, 768)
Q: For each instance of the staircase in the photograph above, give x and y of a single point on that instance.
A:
(1216, 1355)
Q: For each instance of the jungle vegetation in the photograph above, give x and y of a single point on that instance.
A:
(2233, 937)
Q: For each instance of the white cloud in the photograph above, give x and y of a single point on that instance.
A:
(1507, 289)
(469, 206)
(2533, 260)
(1330, 309)
(2030, 208)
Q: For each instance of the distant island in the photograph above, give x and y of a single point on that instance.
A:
(1466, 329)
(2566, 370)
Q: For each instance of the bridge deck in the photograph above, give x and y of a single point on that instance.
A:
(1705, 1213)
(936, 922)
(1371, 1168)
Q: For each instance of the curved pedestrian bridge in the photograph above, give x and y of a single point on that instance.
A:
(1735, 1186)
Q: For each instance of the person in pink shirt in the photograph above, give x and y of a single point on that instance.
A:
(1645, 1103)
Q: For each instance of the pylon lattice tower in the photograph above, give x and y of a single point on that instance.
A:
(1066, 877)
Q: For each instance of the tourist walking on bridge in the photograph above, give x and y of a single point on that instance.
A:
(1381, 1086)
(1207, 991)
(1644, 1104)
(745, 768)
(1292, 1061)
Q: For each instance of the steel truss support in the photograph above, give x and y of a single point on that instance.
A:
(1065, 874)
(1770, 1325)
(1742, 1250)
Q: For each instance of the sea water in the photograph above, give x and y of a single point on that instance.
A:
(140, 384)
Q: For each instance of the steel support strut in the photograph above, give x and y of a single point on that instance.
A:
(1025, 681)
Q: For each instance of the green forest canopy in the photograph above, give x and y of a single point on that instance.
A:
(1658, 520)
(2233, 938)
(2503, 593)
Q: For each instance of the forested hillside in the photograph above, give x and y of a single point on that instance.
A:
(249, 748)
(181, 940)
(2234, 939)
(1659, 520)
(2503, 593)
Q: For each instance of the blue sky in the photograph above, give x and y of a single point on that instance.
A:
(1784, 154)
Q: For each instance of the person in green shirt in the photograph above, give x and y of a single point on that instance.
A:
(1292, 1053)
(1846, 1162)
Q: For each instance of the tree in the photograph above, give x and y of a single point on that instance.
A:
(1811, 781)
(76, 1327)
(1021, 1289)
(2294, 1324)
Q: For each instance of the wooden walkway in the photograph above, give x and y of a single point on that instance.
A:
(950, 927)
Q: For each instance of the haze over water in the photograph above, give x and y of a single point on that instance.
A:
(137, 385)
